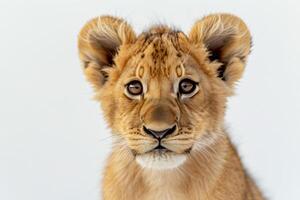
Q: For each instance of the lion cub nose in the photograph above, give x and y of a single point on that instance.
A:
(159, 134)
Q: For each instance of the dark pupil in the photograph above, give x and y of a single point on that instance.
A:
(187, 87)
(135, 88)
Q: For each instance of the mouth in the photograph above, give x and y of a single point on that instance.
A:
(159, 147)
(160, 158)
(160, 150)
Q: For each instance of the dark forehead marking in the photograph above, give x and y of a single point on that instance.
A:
(145, 42)
(154, 36)
(161, 39)
(160, 51)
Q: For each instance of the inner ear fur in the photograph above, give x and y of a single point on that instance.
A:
(98, 43)
(228, 42)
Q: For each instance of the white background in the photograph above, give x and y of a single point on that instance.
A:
(53, 140)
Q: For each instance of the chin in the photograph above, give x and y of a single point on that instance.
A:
(160, 160)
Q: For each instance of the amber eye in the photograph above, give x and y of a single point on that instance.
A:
(187, 86)
(134, 88)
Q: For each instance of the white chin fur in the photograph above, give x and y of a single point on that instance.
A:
(160, 161)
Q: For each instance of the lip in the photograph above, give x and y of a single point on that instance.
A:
(160, 149)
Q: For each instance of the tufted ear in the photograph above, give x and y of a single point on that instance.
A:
(228, 41)
(98, 43)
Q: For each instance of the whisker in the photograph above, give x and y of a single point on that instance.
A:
(105, 138)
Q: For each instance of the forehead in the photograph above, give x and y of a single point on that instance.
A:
(160, 48)
(160, 54)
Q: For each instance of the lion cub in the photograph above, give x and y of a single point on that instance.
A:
(164, 93)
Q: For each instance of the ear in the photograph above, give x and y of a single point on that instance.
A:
(228, 42)
(98, 43)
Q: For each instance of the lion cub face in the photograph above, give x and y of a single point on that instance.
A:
(162, 99)
(162, 92)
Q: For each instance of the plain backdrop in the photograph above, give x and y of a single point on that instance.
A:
(53, 139)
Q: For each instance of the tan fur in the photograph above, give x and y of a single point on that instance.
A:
(214, 54)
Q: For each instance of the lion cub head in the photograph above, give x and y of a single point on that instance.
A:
(164, 92)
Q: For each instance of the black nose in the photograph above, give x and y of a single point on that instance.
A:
(159, 134)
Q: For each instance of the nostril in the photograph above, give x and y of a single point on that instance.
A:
(159, 134)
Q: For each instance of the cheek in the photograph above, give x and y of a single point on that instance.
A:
(195, 113)
(216, 108)
(127, 112)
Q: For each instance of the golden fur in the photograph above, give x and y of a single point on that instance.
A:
(201, 162)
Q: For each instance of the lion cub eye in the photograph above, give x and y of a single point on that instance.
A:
(187, 87)
(134, 88)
